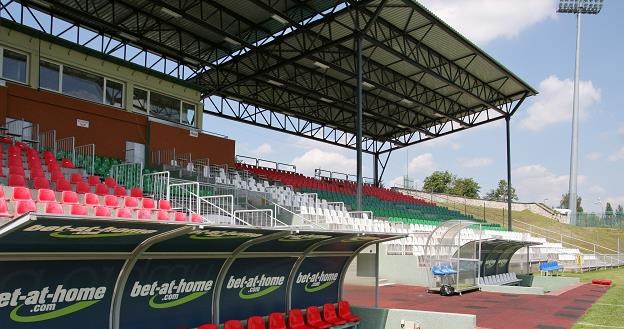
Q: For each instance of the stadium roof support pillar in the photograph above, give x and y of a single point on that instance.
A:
(507, 119)
(358, 121)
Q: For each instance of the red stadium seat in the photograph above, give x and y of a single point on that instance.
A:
(232, 324)
(344, 312)
(2, 171)
(6, 140)
(69, 197)
(110, 182)
(94, 180)
(101, 189)
(63, 185)
(22, 145)
(207, 326)
(180, 217)
(4, 209)
(255, 322)
(295, 320)
(123, 213)
(17, 180)
(162, 215)
(16, 161)
(277, 321)
(83, 187)
(111, 201)
(36, 173)
(120, 191)
(25, 206)
(55, 175)
(136, 192)
(78, 210)
(46, 195)
(164, 205)
(66, 163)
(313, 317)
(147, 203)
(101, 211)
(21, 193)
(54, 208)
(41, 182)
(144, 214)
(75, 178)
(130, 202)
(196, 218)
(92, 199)
(48, 155)
(329, 315)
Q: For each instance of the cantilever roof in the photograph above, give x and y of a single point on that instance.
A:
(290, 65)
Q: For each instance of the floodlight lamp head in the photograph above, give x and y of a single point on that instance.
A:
(580, 6)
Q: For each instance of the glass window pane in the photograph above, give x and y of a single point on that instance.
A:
(114, 93)
(188, 114)
(82, 84)
(165, 107)
(14, 66)
(139, 100)
(49, 75)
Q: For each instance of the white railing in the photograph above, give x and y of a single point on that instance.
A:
(184, 161)
(47, 141)
(256, 217)
(65, 147)
(156, 185)
(160, 157)
(185, 196)
(202, 167)
(218, 209)
(306, 222)
(127, 174)
(85, 158)
(361, 214)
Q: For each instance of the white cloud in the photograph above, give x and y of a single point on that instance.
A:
(554, 103)
(534, 183)
(262, 150)
(475, 162)
(486, 20)
(617, 155)
(616, 200)
(597, 189)
(422, 165)
(594, 156)
(317, 158)
(397, 181)
(444, 141)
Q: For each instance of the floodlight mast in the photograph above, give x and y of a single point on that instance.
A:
(576, 7)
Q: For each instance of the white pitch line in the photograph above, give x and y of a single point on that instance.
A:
(607, 304)
(598, 325)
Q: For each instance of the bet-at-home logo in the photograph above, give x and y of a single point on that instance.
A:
(316, 281)
(219, 235)
(255, 287)
(170, 294)
(303, 237)
(86, 232)
(47, 304)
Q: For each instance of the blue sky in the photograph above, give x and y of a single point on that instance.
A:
(538, 45)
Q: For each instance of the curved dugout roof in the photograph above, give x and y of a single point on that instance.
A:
(496, 254)
(291, 66)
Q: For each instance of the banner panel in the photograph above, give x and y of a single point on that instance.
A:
(255, 286)
(316, 282)
(209, 240)
(57, 294)
(169, 293)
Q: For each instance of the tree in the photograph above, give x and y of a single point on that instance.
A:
(466, 187)
(609, 209)
(500, 192)
(438, 182)
(565, 202)
(619, 211)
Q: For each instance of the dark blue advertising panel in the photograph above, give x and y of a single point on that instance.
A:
(255, 286)
(292, 242)
(169, 293)
(57, 294)
(349, 243)
(211, 240)
(317, 281)
(57, 234)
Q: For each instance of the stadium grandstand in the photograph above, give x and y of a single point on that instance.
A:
(119, 211)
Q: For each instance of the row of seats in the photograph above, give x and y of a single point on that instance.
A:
(443, 270)
(549, 267)
(312, 319)
(500, 279)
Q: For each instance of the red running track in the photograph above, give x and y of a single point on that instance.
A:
(493, 310)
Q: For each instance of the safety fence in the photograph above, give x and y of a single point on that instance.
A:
(607, 219)
(65, 148)
(185, 196)
(47, 141)
(256, 217)
(156, 185)
(163, 157)
(85, 158)
(218, 209)
(128, 174)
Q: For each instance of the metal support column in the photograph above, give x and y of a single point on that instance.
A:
(358, 121)
(377, 274)
(376, 169)
(508, 173)
(575, 128)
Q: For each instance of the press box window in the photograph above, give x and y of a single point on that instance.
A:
(139, 100)
(82, 84)
(188, 114)
(49, 76)
(14, 65)
(114, 93)
(164, 107)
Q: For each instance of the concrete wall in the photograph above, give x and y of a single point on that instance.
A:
(378, 318)
(551, 283)
(403, 269)
(515, 206)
